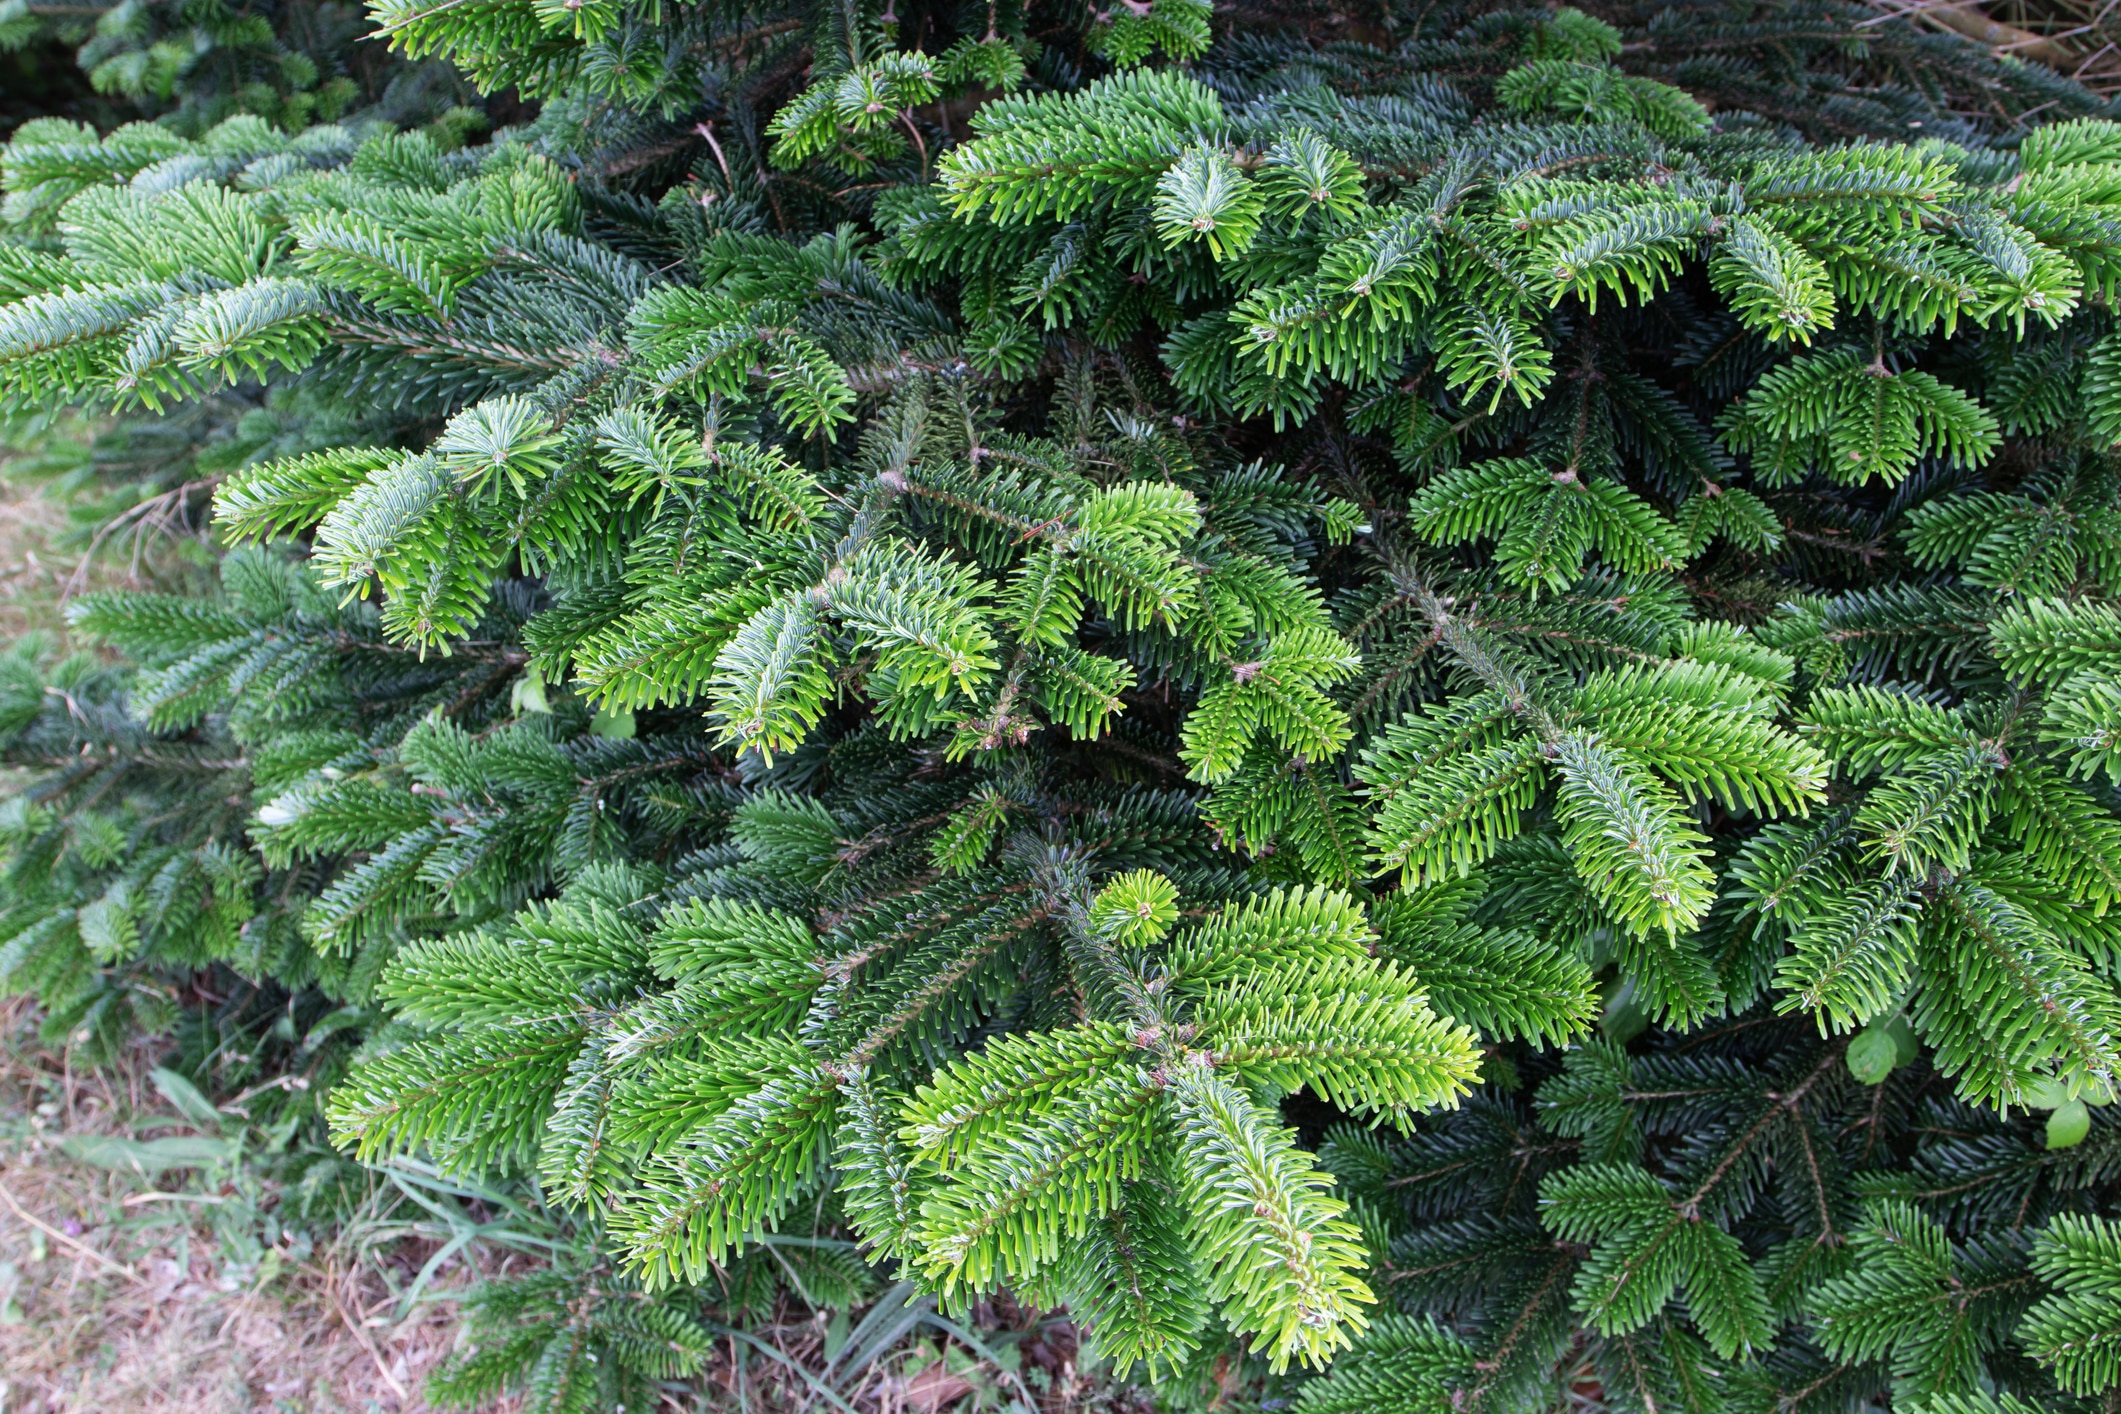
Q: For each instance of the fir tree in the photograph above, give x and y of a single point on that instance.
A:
(1730, 1220)
(129, 863)
(190, 64)
(1022, 591)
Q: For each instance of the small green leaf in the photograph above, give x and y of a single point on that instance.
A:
(1872, 1056)
(2068, 1125)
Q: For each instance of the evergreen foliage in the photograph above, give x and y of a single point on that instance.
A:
(189, 64)
(128, 860)
(1730, 1220)
(966, 622)
(571, 1336)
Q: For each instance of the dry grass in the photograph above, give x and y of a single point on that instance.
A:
(117, 1296)
(2079, 38)
(119, 1293)
(45, 559)
(33, 576)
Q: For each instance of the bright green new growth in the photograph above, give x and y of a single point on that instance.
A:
(648, 1069)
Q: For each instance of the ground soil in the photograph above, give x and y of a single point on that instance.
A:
(117, 1294)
